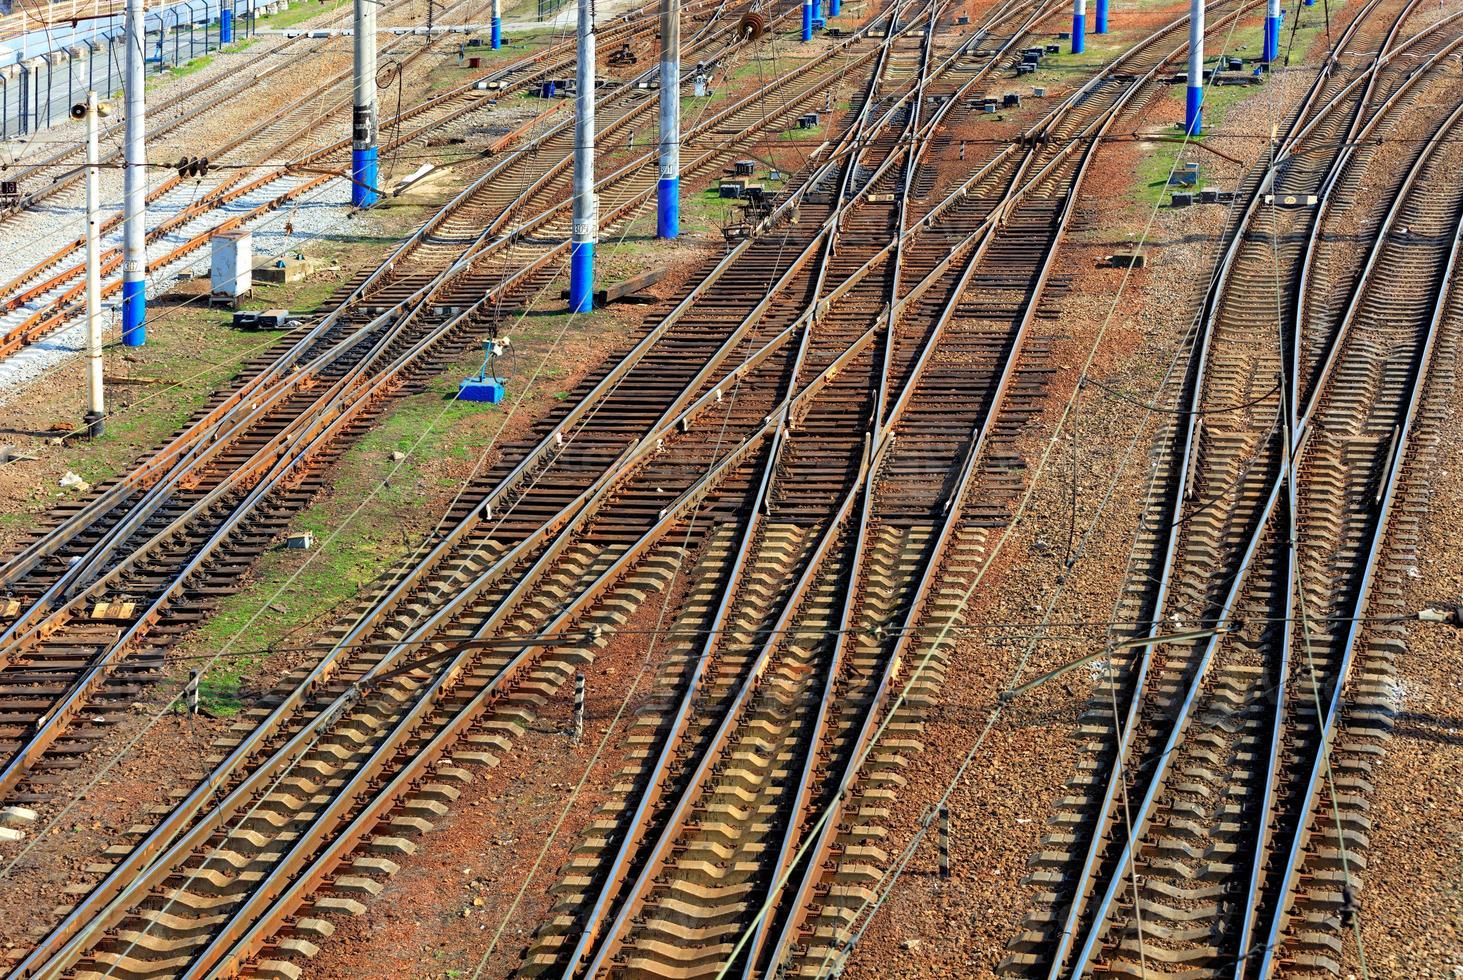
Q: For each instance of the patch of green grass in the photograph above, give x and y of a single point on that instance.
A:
(769, 68)
(299, 297)
(379, 496)
(187, 366)
(1161, 157)
(1309, 29)
(181, 70)
(301, 11)
(191, 67)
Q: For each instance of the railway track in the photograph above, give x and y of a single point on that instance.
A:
(134, 541)
(792, 454)
(830, 72)
(49, 296)
(662, 477)
(58, 171)
(507, 590)
(1223, 830)
(762, 555)
(461, 612)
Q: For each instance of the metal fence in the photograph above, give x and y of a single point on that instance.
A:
(38, 92)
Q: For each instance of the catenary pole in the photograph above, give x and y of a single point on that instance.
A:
(134, 213)
(668, 191)
(586, 208)
(1272, 31)
(1194, 95)
(96, 409)
(363, 119)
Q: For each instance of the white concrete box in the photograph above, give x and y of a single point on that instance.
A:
(232, 269)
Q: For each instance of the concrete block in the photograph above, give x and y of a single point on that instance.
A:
(17, 816)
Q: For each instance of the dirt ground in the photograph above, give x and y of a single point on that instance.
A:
(440, 914)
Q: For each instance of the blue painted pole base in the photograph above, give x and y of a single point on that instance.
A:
(1272, 39)
(497, 33)
(835, 5)
(668, 207)
(807, 22)
(581, 277)
(134, 312)
(1079, 30)
(1100, 24)
(1193, 110)
(363, 177)
(225, 26)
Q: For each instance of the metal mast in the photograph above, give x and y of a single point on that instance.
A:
(363, 121)
(586, 208)
(1194, 96)
(96, 409)
(134, 213)
(668, 191)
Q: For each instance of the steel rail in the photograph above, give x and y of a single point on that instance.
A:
(286, 360)
(17, 292)
(63, 307)
(462, 265)
(292, 454)
(619, 28)
(1338, 165)
(484, 245)
(84, 518)
(85, 570)
(655, 783)
(22, 563)
(128, 870)
(284, 438)
(863, 489)
(1263, 833)
(1140, 816)
(820, 845)
(1301, 124)
(305, 870)
(73, 704)
(156, 871)
(819, 851)
(102, 550)
(590, 591)
(59, 158)
(1295, 854)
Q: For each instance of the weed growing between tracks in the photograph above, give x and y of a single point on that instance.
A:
(322, 586)
(190, 351)
(1158, 158)
(152, 390)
